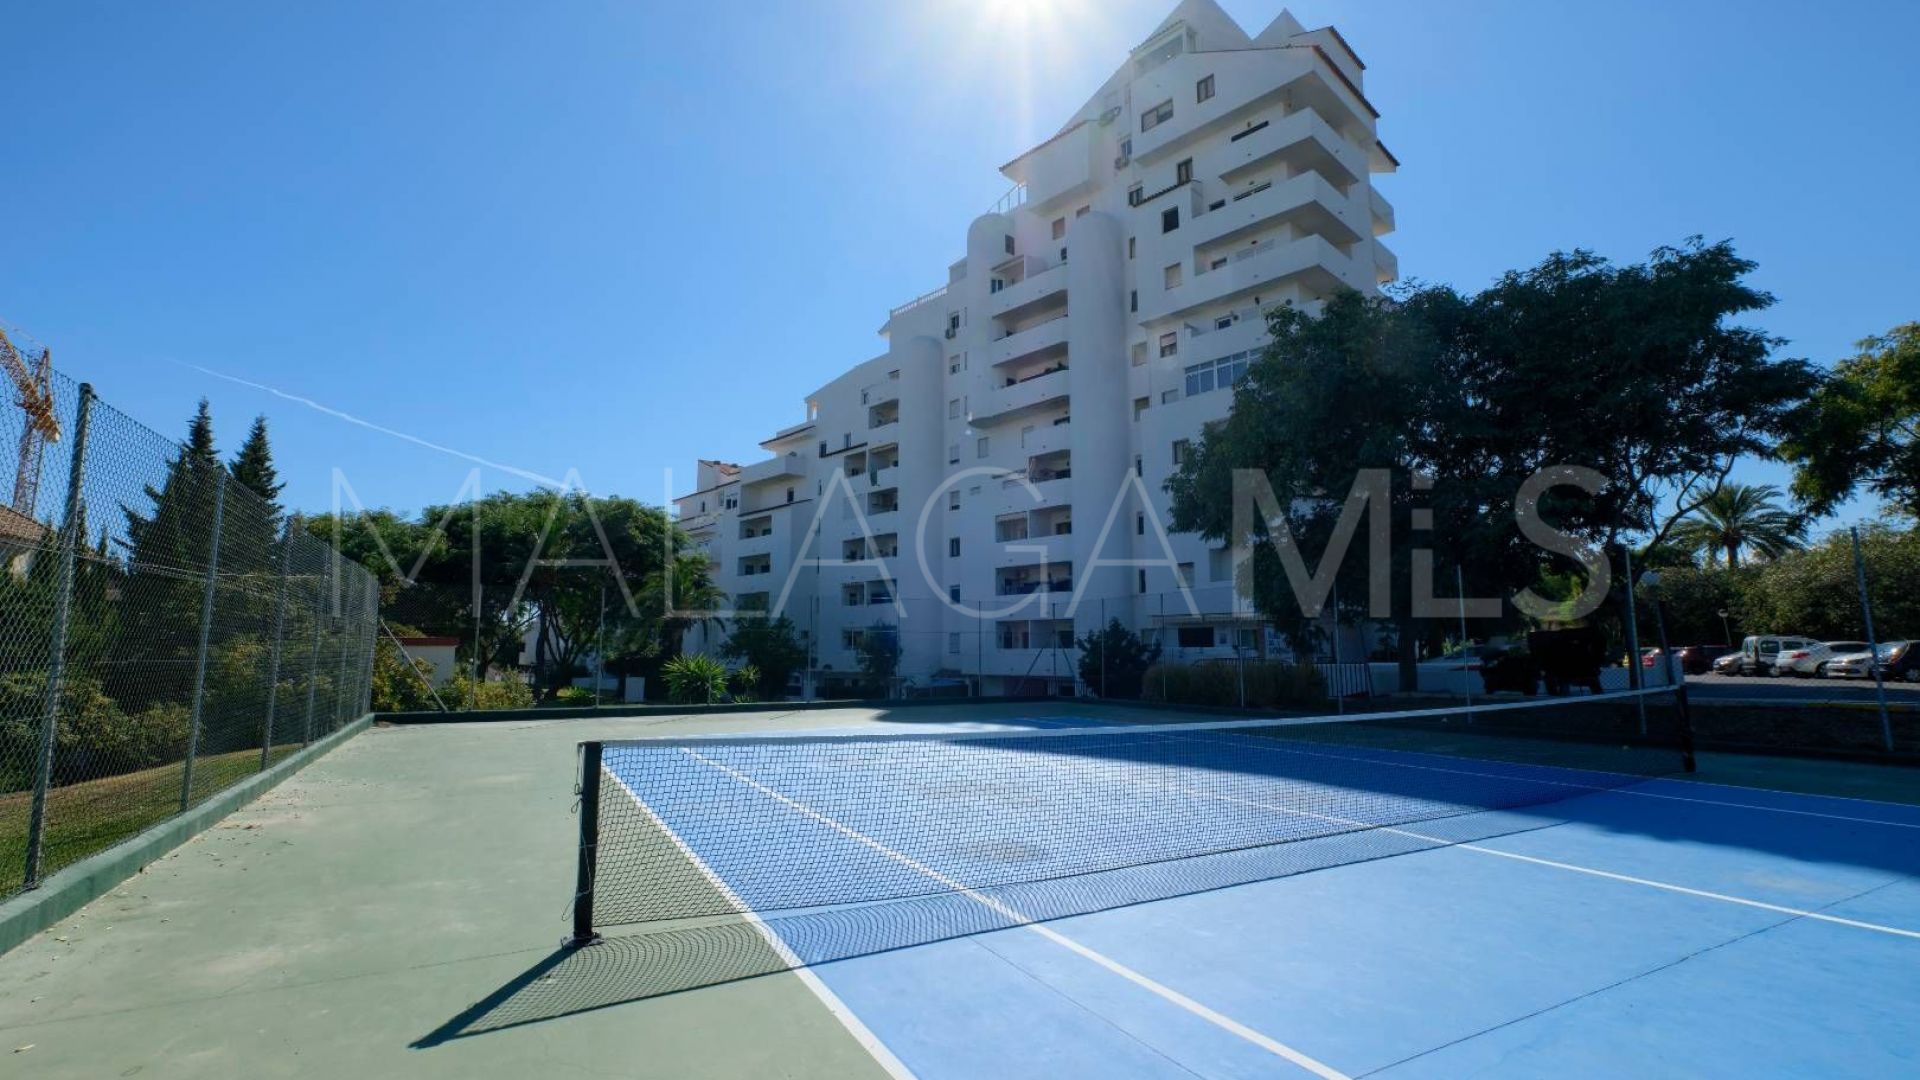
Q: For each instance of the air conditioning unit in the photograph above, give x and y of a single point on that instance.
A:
(952, 333)
(1110, 115)
(1121, 161)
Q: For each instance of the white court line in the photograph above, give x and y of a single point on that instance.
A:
(863, 1035)
(1665, 886)
(1167, 993)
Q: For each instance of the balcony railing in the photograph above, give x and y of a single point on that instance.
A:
(1023, 588)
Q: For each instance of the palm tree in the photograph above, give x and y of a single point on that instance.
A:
(1739, 517)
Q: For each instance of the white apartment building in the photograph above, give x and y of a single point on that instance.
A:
(990, 485)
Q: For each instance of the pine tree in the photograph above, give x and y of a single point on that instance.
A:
(200, 435)
(253, 466)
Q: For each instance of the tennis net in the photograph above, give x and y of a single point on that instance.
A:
(923, 835)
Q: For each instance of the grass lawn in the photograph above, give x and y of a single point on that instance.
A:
(96, 814)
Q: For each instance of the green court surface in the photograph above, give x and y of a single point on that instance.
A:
(384, 912)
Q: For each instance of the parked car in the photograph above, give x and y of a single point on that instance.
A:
(1759, 651)
(1899, 662)
(1811, 662)
(1698, 659)
(1728, 664)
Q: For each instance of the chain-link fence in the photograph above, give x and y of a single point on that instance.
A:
(164, 631)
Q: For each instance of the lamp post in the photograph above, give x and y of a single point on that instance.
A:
(1651, 581)
(1726, 628)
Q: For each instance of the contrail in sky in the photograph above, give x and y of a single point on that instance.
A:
(512, 470)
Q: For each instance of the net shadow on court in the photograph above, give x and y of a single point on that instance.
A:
(629, 967)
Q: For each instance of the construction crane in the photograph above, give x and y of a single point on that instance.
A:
(34, 385)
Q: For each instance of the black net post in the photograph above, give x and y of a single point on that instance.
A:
(589, 846)
(207, 594)
(70, 541)
(1677, 681)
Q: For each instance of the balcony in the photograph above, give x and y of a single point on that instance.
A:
(1382, 212)
(1055, 550)
(1037, 286)
(1385, 263)
(1047, 437)
(1046, 389)
(1312, 262)
(1307, 201)
(1301, 141)
(1049, 339)
(783, 467)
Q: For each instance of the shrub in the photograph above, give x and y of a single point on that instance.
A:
(508, 692)
(695, 679)
(575, 695)
(1113, 661)
(94, 736)
(1269, 684)
(395, 689)
(745, 684)
(770, 647)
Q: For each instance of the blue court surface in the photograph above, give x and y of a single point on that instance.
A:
(1619, 927)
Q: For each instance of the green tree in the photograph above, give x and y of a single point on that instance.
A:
(1637, 372)
(1114, 660)
(1863, 428)
(253, 467)
(772, 647)
(1814, 592)
(1740, 517)
(695, 679)
(879, 656)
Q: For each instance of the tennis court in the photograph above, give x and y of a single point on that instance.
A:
(1137, 901)
(1261, 900)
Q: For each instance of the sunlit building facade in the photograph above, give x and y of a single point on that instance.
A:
(990, 487)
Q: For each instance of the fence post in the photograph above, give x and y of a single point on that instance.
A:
(57, 648)
(279, 633)
(586, 867)
(1873, 644)
(1634, 679)
(313, 667)
(206, 632)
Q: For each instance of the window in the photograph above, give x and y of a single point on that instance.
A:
(1139, 522)
(953, 453)
(1157, 115)
(1063, 254)
(953, 320)
(1059, 227)
(1135, 195)
(1139, 468)
(1173, 275)
(1130, 243)
(823, 448)
(1170, 341)
(953, 409)
(1183, 172)
(1143, 581)
(1126, 151)
(953, 593)
(789, 494)
(1139, 353)
(1220, 564)
(1180, 448)
(1203, 90)
(1184, 573)
(953, 366)
(1169, 219)
(1009, 245)
(1083, 211)
(1196, 637)
(1133, 300)
(1222, 322)
(980, 447)
(850, 639)
(1139, 406)
(953, 641)
(1013, 635)
(1168, 397)
(953, 547)
(1218, 374)
(994, 285)
(953, 500)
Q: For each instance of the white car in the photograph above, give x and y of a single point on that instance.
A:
(1810, 661)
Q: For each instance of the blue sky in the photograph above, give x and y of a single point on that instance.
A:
(567, 235)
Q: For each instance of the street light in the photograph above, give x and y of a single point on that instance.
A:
(1726, 628)
(1651, 582)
